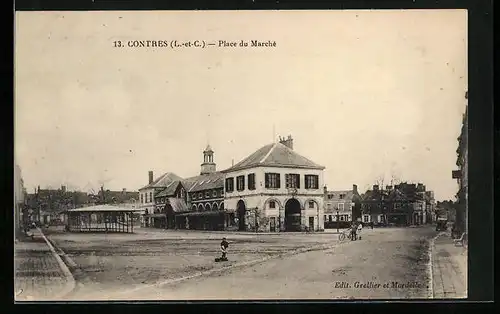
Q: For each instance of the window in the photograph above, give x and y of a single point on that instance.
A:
(200, 195)
(251, 181)
(366, 218)
(312, 181)
(330, 218)
(273, 181)
(230, 184)
(292, 181)
(272, 204)
(328, 206)
(240, 183)
(193, 196)
(142, 198)
(341, 196)
(324, 218)
(311, 204)
(330, 196)
(342, 218)
(151, 196)
(214, 194)
(207, 194)
(341, 206)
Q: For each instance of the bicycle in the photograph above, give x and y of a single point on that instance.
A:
(346, 233)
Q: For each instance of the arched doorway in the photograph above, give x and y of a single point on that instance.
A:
(292, 215)
(240, 212)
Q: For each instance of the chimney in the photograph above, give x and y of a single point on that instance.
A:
(150, 174)
(63, 188)
(124, 190)
(288, 142)
(355, 188)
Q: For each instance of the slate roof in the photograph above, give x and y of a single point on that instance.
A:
(169, 190)
(349, 195)
(204, 182)
(275, 155)
(163, 181)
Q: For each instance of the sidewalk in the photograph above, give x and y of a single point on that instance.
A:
(449, 268)
(38, 275)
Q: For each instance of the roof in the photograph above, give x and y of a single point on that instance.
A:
(349, 195)
(275, 155)
(163, 181)
(396, 195)
(202, 182)
(178, 204)
(169, 190)
(103, 208)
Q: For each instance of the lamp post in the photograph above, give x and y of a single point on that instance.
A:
(337, 220)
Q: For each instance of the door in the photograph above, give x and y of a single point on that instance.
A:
(311, 223)
(272, 224)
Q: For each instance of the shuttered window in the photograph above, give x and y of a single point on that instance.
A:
(273, 181)
(240, 183)
(251, 181)
(292, 181)
(230, 184)
(312, 181)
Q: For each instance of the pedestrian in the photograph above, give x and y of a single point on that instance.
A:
(223, 247)
(353, 231)
(360, 227)
(371, 224)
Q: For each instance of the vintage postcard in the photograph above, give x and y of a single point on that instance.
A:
(245, 155)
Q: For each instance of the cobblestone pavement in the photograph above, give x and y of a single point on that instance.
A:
(38, 275)
(449, 269)
(397, 257)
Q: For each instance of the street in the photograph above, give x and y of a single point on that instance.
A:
(385, 263)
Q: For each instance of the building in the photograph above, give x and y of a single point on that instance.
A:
(193, 203)
(462, 209)
(339, 206)
(402, 204)
(20, 199)
(275, 189)
(147, 202)
(47, 206)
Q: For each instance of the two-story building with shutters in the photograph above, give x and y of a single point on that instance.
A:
(339, 207)
(275, 189)
(151, 214)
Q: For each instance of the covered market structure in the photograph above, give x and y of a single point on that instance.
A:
(100, 218)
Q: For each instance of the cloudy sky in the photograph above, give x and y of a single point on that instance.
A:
(367, 94)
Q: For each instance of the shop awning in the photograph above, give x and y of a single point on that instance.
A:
(207, 213)
(158, 215)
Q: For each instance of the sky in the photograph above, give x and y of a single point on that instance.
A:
(367, 94)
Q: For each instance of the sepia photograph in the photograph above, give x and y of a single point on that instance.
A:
(244, 155)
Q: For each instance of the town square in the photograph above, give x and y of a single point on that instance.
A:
(334, 167)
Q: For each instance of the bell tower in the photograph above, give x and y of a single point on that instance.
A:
(208, 166)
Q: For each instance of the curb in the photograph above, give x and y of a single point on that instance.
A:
(430, 267)
(67, 273)
(218, 270)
